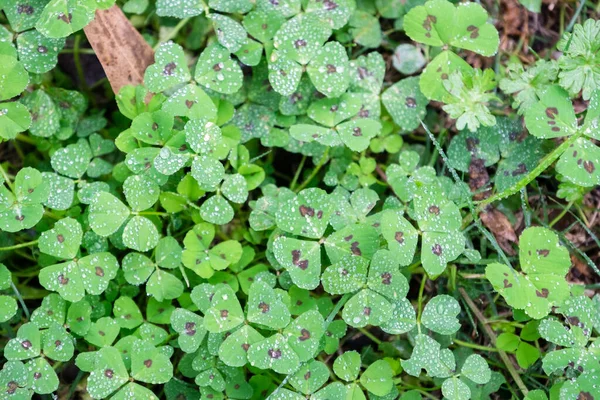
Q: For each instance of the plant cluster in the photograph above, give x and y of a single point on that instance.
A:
(174, 243)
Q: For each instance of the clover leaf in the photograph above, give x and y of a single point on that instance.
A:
(440, 313)
(347, 366)
(405, 103)
(541, 284)
(21, 208)
(72, 279)
(439, 22)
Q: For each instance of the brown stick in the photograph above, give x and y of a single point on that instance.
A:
(122, 51)
(484, 324)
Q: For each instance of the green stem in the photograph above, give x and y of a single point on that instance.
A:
(420, 300)
(483, 322)
(370, 336)
(19, 246)
(542, 166)
(474, 346)
(297, 174)
(20, 298)
(173, 32)
(562, 214)
(575, 16)
(315, 171)
(6, 178)
(159, 213)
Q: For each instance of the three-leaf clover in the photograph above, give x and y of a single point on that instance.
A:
(541, 284)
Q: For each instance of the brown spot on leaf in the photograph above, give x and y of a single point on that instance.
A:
(148, 363)
(437, 249)
(357, 132)
(42, 49)
(367, 311)
(304, 335)
(589, 167)
(190, 328)
(544, 293)
(60, 238)
(25, 9)
(434, 210)
(300, 43)
(399, 236)
(190, 103)
(99, 271)
(386, 278)
(355, 249)
(26, 344)
(264, 307)
(411, 102)
(274, 353)
(331, 69)
(507, 284)
(224, 313)
(543, 252)
(62, 279)
(551, 112)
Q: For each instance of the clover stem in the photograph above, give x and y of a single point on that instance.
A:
(562, 214)
(297, 174)
(474, 346)
(6, 178)
(541, 167)
(488, 330)
(173, 32)
(370, 336)
(20, 298)
(159, 213)
(420, 300)
(315, 171)
(19, 246)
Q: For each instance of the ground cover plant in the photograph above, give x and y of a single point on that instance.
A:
(299, 199)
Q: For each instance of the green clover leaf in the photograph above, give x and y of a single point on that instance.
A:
(440, 314)
(541, 284)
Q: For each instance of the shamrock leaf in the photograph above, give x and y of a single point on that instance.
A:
(169, 69)
(401, 236)
(347, 366)
(204, 260)
(476, 369)
(140, 234)
(440, 221)
(234, 349)
(14, 76)
(439, 22)
(305, 214)
(107, 214)
(127, 313)
(310, 377)
(149, 364)
(377, 378)
(329, 70)
(367, 308)
(21, 208)
(27, 344)
(14, 118)
(273, 353)
(38, 53)
(427, 354)
(63, 241)
(103, 332)
(552, 116)
(217, 71)
(440, 314)
(72, 279)
(265, 307)
(405, 103)
(305, 333)
(224, 312)
(108, 374)
(301, 258)
(541, 284)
